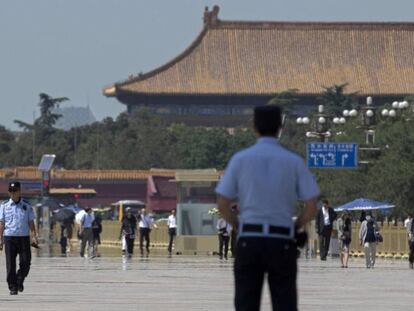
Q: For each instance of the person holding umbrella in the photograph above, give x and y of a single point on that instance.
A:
(16, 222)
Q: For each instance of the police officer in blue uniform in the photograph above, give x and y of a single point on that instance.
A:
(267, 180)
(16, 220)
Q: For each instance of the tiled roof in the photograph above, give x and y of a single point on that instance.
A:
(236, 58)
(205, 175)
(31, 173)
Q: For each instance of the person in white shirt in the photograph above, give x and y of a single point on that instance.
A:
(407, 223)
(224, 229)
(86, 233)
(172, 229)
(324, 221)
(145, 224)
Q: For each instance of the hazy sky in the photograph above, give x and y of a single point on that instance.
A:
(74, 48)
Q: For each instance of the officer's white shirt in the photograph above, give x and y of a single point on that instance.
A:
(172, 221)
(267, 180)
(16, 217)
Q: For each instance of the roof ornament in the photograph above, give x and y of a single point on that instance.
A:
(210, 18)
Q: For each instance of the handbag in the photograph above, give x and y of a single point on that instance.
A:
(80, 235)
(378, 237)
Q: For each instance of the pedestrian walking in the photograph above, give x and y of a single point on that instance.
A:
(224, 229)
(266, 180)
(367, 237)
(145, 224)
(86, 233)
(128, 229)
(172, 229)
(16, 223)
(344, 227)
(410, 232)
(63, 241)
(96, 233)
(69, 224)
(324, 221)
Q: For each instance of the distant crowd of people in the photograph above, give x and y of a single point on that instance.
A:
(144, 222)
(369, 234)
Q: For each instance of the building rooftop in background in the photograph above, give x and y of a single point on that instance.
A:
(74, 117)
(234, 65)
(32, 173)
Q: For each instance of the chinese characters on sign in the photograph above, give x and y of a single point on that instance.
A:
(332, 155)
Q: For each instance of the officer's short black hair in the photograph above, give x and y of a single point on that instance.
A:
(267, 120)
(14, 185)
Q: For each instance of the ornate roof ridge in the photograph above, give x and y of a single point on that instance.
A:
(312, 25)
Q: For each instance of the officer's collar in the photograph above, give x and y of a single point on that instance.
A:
(15, 203)
(267, 140)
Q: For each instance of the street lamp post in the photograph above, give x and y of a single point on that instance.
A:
(320, 124)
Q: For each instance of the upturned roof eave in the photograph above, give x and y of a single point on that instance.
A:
(113, 90)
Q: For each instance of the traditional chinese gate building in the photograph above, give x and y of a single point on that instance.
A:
(233, 66)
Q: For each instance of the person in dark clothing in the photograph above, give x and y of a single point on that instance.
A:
(410, 229)
(63, 239)
(128, 229)
(96, 232)
(324, 220)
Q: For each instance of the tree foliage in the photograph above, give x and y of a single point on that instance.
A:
(335, 99)
(144, 141)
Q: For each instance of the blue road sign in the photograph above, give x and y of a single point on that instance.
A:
(332, 155)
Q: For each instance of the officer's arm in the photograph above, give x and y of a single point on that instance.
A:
(308, 213)
(225, 211)
(33, 230)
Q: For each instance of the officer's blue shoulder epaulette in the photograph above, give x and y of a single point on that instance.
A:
(26, 202)
(5, 201)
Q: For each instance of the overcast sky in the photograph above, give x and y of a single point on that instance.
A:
(74, 48)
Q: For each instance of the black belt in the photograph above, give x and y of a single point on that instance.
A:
(272, 229)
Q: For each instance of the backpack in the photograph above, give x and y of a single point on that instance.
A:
(370, 237)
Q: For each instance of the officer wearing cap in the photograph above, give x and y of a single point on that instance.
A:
(267, 180)
(16, 220)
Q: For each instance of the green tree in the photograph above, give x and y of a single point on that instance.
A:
(335, 99)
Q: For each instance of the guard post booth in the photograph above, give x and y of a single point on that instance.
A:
(196, 227)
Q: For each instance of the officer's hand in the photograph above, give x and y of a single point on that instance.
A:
(1, 245)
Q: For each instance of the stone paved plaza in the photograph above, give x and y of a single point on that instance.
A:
(199, 283)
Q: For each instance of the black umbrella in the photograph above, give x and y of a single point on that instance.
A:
(64, 214)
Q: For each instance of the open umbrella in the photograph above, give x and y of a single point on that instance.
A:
(64, 214)
(363, 204)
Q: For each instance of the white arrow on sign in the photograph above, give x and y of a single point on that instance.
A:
(344, 157)
(315, 158)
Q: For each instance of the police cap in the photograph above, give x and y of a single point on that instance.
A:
(267, 119)
(14, 185)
